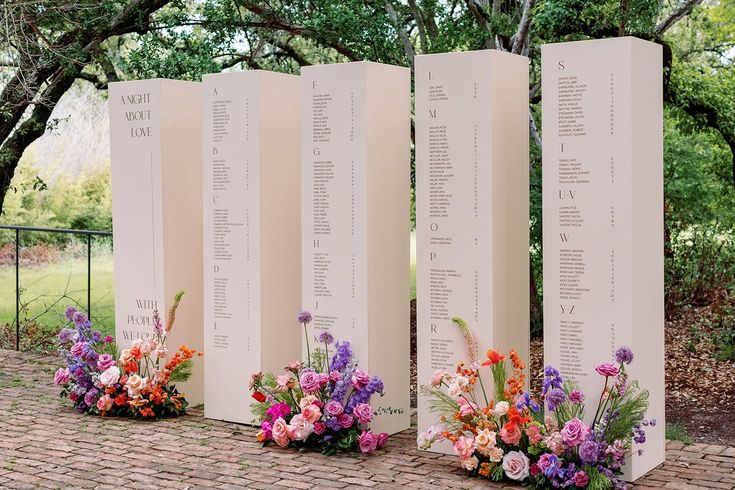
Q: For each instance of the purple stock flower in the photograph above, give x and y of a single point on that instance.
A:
(333, 424)
(304, 317)
(341, 358)
(342, 386)
(624, 355)
(554, 398)
(375, 385)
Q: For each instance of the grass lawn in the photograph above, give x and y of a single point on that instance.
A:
(57, 285)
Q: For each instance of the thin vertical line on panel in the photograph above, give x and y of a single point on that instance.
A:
(153, 225)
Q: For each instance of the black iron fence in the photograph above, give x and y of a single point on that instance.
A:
(87, 234)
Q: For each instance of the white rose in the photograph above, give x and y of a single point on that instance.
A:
(515, 464)
(110, 376)
(501, 408)
(300, 428)
(135, 385)
(470, 464)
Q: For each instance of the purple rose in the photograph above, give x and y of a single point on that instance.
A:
(333, 408)
(368, 442)
(309, 381)
(575, 432)
(576, 397)
(89, 397)
(105, 361)
(77, 350)
(345, 421)
(363, 412)
(381, 439)
(323, 379)
(62, 375)
(581, 479)
(606, 369)
(335, 376)
(360, 378)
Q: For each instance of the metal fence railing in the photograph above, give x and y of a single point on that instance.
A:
(87, 234)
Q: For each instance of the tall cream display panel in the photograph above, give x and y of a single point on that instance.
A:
(155, 145)
(355, 207)
(471, 210)
(252, 242)
(603, 217)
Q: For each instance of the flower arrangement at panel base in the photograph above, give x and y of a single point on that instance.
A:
(322, 404)
(138, 382)
(506, 435)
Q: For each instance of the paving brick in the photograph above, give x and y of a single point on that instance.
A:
(48, 445)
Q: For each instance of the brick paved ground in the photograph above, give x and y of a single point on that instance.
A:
(45, 444)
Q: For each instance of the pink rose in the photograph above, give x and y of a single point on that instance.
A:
(359, 379)
(319, 428)
(581, 479)
(104, 403)
(575, 432)
(368, 442)
(345, 420)
(515, 465)
(335, 376)
(533, 432)
(438, 377)
(381, 439)
(510, 434)
(105, 361)
(300, 428)
(323, 379)
(311, 413)
(62, 376)
(363, 412)
(333, 408)
(464, 447)
(280, 432)
(466, 408)
(77, 349)
(606, 369)
(309, 381)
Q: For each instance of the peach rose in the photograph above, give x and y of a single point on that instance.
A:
(485, 440)
(280, 432)
(104, 403)
(135, 385)
(300, 428)
(311, 413)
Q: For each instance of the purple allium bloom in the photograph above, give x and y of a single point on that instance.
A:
(304, 317)
(576, 397)
(325, 338)
(341, 358)
(66, 335)
(552, 379)
(652, 422)
(588, 451)
(80, 320)
(624, 355)
(96, 335)
(69, 313)
(554, 398)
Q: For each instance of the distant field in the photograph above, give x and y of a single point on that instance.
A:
(57, 285)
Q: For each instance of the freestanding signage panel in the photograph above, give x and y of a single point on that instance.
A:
(252, 240)
(603, 217)
(155, 144)
(471, 209)
(355, 208)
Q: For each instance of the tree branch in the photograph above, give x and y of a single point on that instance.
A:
(682, 11)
